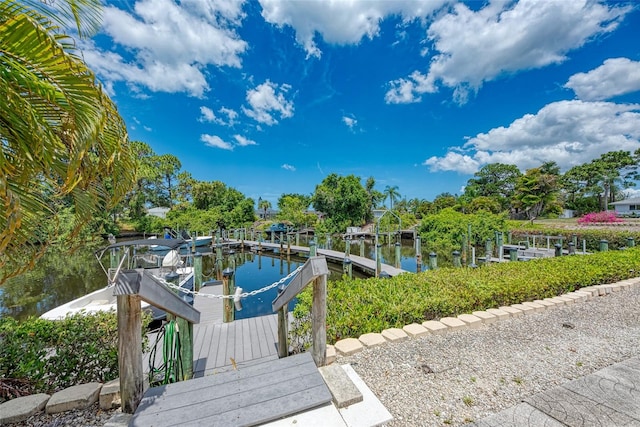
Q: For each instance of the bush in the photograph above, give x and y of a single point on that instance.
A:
(358, 306)
(599, 217)
(617, 239)
(44, 356)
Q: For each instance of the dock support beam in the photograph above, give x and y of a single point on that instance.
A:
(130, 351)
(319, 321)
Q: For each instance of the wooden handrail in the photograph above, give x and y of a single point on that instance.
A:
(149, 289)
(131, 287)
(314, 270)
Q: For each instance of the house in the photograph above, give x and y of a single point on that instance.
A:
(627, 207)
(160, 212)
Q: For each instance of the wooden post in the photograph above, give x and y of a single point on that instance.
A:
(130, 351)
(185, 335)
(197, 271)
(488, 250)
(362, 246)
(319, 321)
(227, 289)
(418, 255)
(297, 238)
(378, 260)
(397, 254)
(283, 346)
(347, 267)
(312, 248)
(513, 254)
(456, 258)
(604, 245)
(558, 249)
(433, 261)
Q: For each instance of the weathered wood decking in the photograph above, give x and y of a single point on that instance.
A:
(363, 263)
(255, 394)
(217, 346)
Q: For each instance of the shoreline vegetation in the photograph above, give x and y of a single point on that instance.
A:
(359, 306)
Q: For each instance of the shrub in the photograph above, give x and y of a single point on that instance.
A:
(599, 217)
(358, 306)
(44, 356)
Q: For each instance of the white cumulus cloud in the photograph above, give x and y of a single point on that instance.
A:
(472, 47)
(340, 21)
(350, 122)
(208, 116)
(268, 100)
(616, 76)
(168, 45)
(215, 142)
(567, 132)
(243, 141)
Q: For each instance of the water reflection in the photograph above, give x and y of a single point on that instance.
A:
(59, 277)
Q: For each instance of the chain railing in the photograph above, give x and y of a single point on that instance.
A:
(241, 295)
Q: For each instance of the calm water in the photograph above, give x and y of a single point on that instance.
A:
(59, 278)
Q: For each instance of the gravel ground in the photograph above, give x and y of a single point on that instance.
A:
(461, 377)
(92, 416)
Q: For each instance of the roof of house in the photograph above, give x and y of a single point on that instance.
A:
(635, 201)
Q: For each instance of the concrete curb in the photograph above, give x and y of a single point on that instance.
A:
(76, 397)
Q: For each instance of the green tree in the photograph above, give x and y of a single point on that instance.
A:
(495, 180)
(63, 142)
(264, 206)
(344, 201)
(443, 201)
(183, 191)
(375, 197)
(537, 189)
(391, 193)
(293, 207)
(599, 179)
(168, 167)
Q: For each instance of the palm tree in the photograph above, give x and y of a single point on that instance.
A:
(392, 194)
(265, 205)
(62, 142)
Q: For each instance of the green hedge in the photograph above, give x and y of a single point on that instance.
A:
(358, 306)
(44, 356)
(617, 239)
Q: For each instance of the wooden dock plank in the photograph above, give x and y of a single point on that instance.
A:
(238, 350)
(201, 346)
(362, 262)
(221, 353)
(250, 396)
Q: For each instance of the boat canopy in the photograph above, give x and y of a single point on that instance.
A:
(170, 244)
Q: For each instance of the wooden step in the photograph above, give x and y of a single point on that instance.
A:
(251, 395)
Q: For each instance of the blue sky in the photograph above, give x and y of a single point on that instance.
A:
(271, 96)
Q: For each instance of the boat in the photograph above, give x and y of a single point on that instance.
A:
(127, 255)
(189, 242)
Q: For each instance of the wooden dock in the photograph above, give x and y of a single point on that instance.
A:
(219, 347)
(261, 392)
(365, 264)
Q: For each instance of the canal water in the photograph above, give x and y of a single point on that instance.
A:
(59, 278)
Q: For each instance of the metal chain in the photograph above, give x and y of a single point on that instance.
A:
(242, 295)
